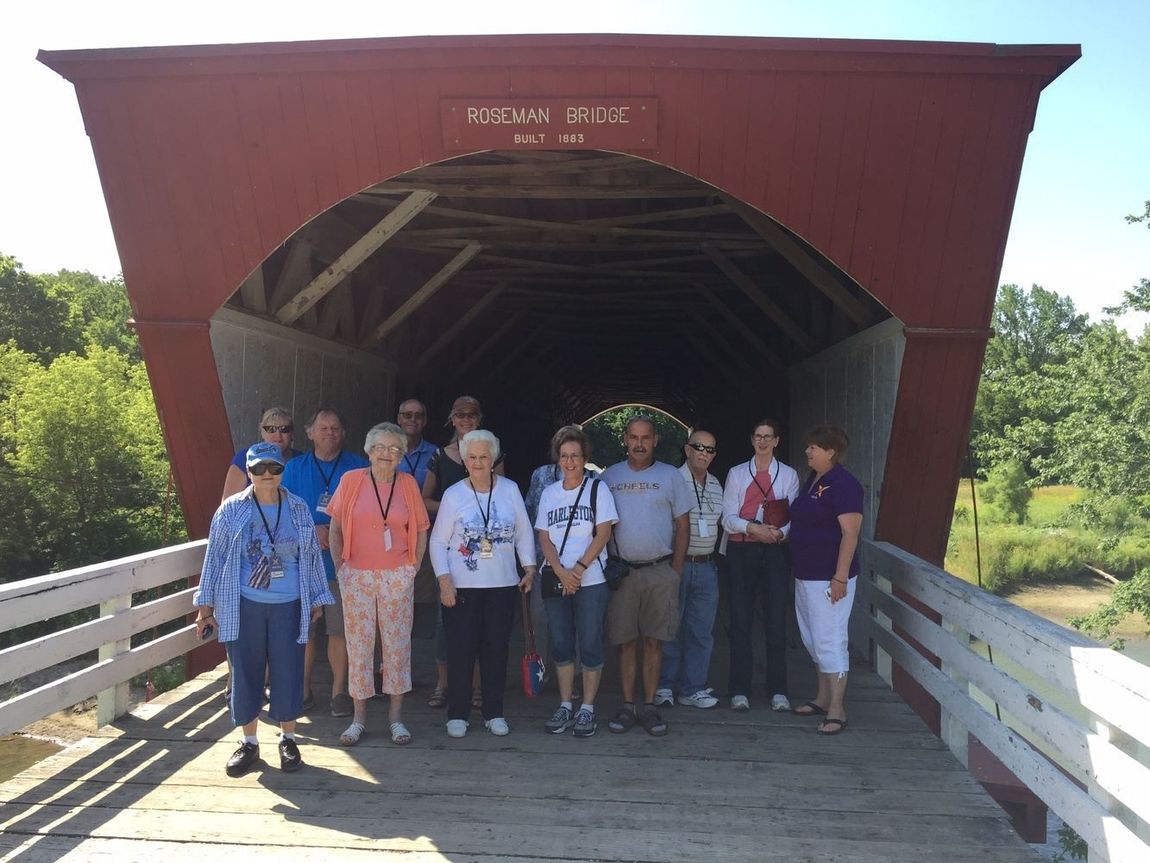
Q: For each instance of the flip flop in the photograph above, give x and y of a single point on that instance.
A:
(400, 736)
(809, 709)
(351, 736)
(840, 727)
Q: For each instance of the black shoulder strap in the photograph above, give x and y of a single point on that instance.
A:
(571, 517)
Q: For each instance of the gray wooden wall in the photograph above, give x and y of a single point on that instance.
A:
(262, 364)
(852, 385)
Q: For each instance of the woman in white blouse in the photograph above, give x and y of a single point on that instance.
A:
(481, 527)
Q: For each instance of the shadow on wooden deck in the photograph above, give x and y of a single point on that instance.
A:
(755, 786)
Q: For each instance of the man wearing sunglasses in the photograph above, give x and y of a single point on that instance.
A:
(687, 657)
(315, 476)
(412, 418)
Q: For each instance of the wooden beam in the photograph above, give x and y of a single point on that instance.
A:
(556, 192)
(253, 292)
(458, 171)
(426, 292)
(451, 333)
(373, 313)
(295, 273)
(660, 216)
(512, 355)
(769, 307)
(736, 323)
(809, 267)
(334, 310)
(354, 256)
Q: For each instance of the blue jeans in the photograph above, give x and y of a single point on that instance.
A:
(579, 615)
(267, 639)
(687, 658)
(763, 569)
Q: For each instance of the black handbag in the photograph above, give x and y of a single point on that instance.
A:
(616, 569)
(551, 585)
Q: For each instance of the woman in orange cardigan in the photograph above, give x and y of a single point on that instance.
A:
(378, 536)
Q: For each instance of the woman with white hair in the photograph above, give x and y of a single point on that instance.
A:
(480, 528)
(378, 535)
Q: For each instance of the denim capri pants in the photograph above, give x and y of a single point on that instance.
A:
(581, 614)
(267, 639)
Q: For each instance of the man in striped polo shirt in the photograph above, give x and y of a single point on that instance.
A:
(687, 658)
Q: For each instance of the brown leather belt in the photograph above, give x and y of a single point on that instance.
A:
(700, 558)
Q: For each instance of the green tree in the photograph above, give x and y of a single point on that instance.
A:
(98, 310)
(1007, 492)
(32, 315)
(606, 435)
(1137, 299)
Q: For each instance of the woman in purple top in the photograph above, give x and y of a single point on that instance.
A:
(825, 522)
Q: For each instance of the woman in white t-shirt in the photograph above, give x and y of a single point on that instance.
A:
(481, 527)
(573, 524)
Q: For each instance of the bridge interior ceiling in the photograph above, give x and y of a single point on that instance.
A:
(554, 284)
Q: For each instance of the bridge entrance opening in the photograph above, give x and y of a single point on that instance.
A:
(552, 285)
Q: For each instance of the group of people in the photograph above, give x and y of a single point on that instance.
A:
(628, 557)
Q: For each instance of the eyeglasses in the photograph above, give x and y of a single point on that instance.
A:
(466, 415)
(763, 438)
(386, 447)
(272, 467)
(278, 429)
(412, 415)
(699, 447)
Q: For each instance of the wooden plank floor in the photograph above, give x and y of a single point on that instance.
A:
(722, 786)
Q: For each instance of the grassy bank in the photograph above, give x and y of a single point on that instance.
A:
(1056, 543)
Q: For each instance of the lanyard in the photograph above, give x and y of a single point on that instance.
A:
(407, 461)
(329, 477)
(272, 534)
(379, 500)
(486, 516)
(699, 494)
(750, 467)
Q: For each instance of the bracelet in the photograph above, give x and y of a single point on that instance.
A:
(838, 581)
(580, 563)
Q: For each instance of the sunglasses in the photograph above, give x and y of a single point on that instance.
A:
(698, 447)
(278, 429)
(272, 467)
(466, 415)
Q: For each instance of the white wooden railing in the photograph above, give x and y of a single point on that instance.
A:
(1064, 700)
(110, 586)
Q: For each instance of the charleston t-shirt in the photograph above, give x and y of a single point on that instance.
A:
(555, 506)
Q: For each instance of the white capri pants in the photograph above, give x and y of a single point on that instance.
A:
(823, 624)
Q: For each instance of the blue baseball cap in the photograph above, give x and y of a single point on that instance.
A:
(264, 452)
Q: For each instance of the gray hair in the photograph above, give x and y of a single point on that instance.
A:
(479, 436)
(384, 430)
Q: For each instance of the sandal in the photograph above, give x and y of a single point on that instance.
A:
(825, 730)
(351, 736)
(438, 698)
(623, 721)
(653, 723)
(400, 736)
(809, 709)
(477, 699)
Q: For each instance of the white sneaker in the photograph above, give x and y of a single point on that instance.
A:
(702, 699)
(780, 703)
(457, 727)
(739, 702)
(497, 726)
(664, 698)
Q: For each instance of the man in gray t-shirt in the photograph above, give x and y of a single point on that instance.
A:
(654, 529)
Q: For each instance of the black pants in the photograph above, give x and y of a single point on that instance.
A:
(479, 625)
(762, 568)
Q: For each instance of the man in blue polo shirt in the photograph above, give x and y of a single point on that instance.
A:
(315, 477)
(412, 418)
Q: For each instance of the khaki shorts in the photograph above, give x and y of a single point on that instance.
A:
(333, 614)
(646, 604)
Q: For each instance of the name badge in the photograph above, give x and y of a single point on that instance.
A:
(486, 552)
(704, 527)
(387, 539)
(321, 504)
(759, 513)
(275, 566)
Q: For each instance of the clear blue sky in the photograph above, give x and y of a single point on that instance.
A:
(1087, 163)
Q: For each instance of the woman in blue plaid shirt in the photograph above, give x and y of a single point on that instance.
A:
(262, 586)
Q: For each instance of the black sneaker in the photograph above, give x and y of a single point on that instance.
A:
(585, 724)
(560, 721)
(290, 760)
(243, 759)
